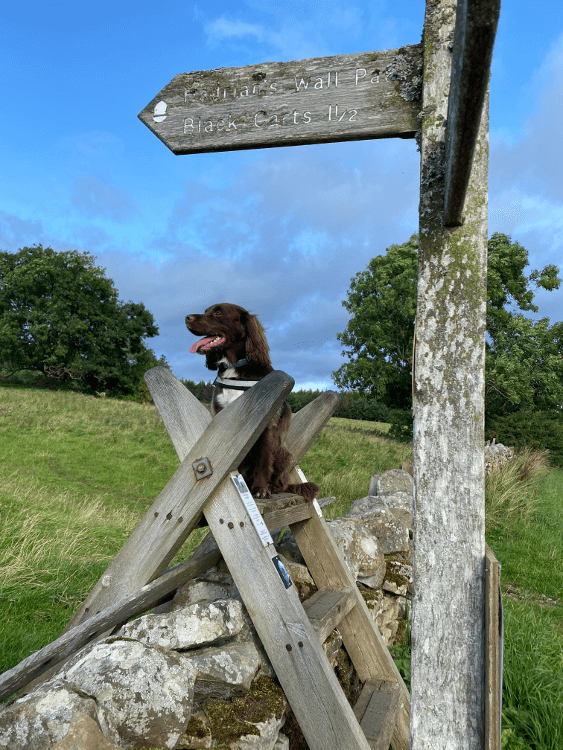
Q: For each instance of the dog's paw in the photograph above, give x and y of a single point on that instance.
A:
(261, 493)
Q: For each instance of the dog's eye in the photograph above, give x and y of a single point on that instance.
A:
(217, 312)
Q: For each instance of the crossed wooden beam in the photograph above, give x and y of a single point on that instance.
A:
(134, 581)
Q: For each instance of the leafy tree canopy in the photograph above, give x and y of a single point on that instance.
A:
(60, 315)
(524, 358)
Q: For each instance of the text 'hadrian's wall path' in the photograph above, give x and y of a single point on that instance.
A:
(345, 97)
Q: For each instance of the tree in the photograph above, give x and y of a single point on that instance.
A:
(60, 315)
(382, 301)
(524, 358)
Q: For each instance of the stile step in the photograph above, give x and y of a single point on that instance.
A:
(377, 709)
(326, 608)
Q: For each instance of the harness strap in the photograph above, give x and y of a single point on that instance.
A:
(243, 385)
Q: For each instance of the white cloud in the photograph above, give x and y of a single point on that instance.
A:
(94, 198)
(223, 28)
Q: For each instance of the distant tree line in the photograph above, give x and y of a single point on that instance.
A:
(60, 317)
(523, 357)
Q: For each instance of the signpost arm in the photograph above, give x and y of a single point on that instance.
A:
(475, 30)
(447, 686)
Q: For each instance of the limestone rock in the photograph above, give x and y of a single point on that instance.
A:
(43, 717)
(84, 734)
(390, 526)
(496, 455)
(250, 722)
(225, 671)
(144, 695)
(361, 550)
(385, 610)
(198, 590)
(282, 742)
(398, 578)
(194, 625)
(393, 480)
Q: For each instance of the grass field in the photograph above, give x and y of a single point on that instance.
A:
(78, 473)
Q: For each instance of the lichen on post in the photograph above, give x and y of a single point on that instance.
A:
(448, 388)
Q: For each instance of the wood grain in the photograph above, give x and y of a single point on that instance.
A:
(320, 100)
(376, 710)
(493, 652)
(326, 608)
(474, 39)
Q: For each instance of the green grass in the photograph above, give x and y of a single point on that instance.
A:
(78, 474)
(531, 553)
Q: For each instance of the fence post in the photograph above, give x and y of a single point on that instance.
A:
(447, 687)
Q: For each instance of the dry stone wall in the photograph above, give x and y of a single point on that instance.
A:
(193, 673)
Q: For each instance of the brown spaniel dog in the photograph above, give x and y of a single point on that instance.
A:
(234, 343)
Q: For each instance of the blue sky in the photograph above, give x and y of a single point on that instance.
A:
(278, 231)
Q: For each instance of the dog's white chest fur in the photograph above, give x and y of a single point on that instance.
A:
(225, 396)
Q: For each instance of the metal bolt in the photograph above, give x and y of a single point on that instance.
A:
(288, 647)
(201, 468)
(231, 525)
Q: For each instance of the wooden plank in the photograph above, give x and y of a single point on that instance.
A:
(493, 651)
(296, 654)
(320, 100)
(280, 518)
(376, 710)
(326, 608)
(362, 639)
(184, 417)
(308, 423)
(474, 38)
(448, 469)
(177, 510)
(92, 629)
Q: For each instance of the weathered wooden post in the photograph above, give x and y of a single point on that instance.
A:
(448, 680)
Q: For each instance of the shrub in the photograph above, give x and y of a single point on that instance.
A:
(538, 430)
(401, 425)
(299, 399)
(356, 406)
(202, 391)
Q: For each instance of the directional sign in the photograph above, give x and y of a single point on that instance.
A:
(321, 100)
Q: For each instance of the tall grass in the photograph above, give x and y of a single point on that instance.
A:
(512, 489)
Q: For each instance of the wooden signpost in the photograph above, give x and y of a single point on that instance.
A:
(442, 100)
(325, 99)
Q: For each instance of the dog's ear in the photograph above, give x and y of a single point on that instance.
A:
(257, 349)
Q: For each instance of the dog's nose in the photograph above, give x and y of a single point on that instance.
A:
(189, 318)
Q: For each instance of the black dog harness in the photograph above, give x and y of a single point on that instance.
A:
(242, 385)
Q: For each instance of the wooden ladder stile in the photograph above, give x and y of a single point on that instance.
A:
(291, 633)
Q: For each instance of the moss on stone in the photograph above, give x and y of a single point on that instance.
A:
(231, 720)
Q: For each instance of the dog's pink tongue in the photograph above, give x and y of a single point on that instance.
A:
(201, 342)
